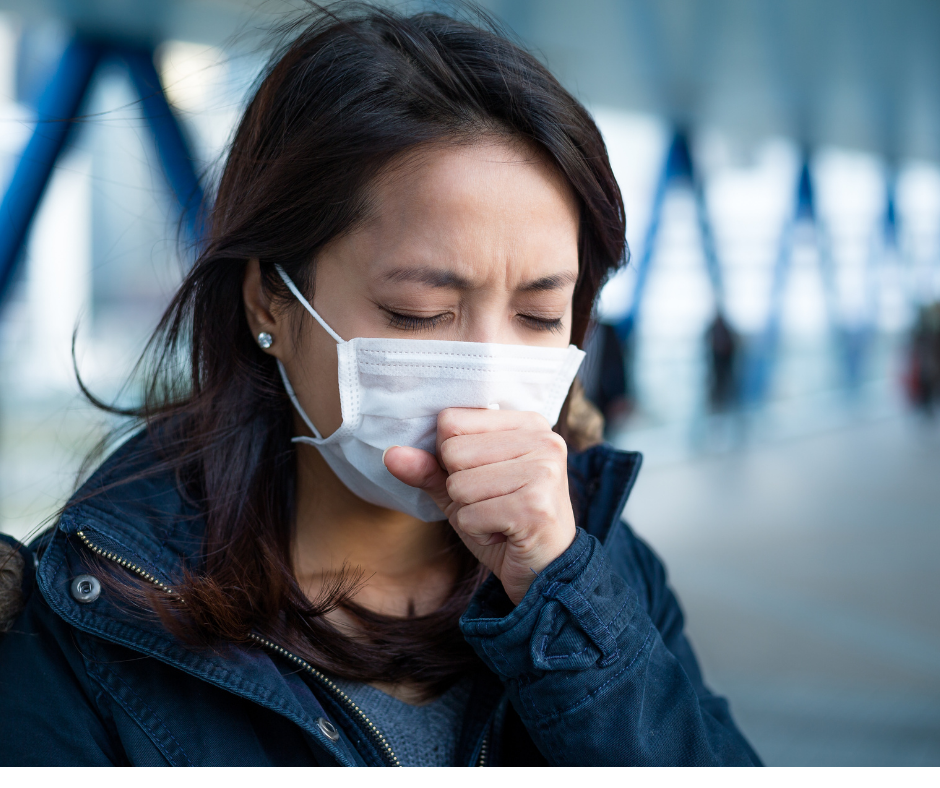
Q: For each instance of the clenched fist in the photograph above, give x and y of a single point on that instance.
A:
(501, 477)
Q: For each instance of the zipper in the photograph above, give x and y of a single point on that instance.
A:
(124, 562)
(344, 699)
(341, 696)
(481, 761)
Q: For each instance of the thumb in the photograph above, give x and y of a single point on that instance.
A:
(418, 468)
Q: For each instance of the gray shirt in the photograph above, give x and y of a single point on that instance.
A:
(419, 735)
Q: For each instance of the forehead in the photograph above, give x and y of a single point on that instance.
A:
(488, 209)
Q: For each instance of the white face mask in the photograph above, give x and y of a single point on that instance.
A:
(391, 391)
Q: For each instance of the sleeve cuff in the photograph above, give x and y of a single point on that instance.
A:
(569, 619)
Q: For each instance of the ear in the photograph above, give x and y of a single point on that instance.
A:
(258, 307)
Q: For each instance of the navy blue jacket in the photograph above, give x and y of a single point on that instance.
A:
(591, 668)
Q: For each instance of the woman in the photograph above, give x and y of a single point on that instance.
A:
(356, 529)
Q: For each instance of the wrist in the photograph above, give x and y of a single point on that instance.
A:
(518, 577)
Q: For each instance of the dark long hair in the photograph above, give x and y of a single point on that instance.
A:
(347, 94)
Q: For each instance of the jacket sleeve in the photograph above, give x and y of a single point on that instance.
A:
(48, 716)
(597, 675)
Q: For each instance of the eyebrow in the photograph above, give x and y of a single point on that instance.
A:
(553, 282)
(442, 278)
(433, 277)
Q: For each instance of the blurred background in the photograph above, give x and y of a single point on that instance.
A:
(773, 348)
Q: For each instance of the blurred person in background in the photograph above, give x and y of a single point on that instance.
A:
(356, 527)
(722, 353)
(606, 373)
(924, 359)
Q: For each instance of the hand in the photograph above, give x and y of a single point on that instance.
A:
(503, 487)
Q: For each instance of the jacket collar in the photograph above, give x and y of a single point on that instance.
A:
(601, 479)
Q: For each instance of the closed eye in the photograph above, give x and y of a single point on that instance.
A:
(405, 322)
(415, 322)
(542, 324)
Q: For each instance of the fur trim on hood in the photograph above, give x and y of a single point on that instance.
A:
(12, 601)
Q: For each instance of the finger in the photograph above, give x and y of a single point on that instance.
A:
(418, 468)
(503, 478)
(482, 521)
(527, 517)
(469, 421)
(474, 543)
(462, 452)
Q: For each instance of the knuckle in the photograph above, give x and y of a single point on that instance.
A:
(543, 471)
(456, 489)
(537, 504)
(448, 423)
(449, 452)
(476, 525)
(462, 519)
(535, 420)
(509, 524)
(556, 445)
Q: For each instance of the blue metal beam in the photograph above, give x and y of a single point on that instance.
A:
(173, 147)
(57, 115)
(852, 343)
(763, 353)
(678, 166)
(627, 324)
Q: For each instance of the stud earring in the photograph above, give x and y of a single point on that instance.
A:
(265, 340)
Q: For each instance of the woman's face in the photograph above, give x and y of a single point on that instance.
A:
(477, 243)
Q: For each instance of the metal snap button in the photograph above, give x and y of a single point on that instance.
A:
(328, 728)
(85, 589)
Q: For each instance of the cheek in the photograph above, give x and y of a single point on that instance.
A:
(313, 373)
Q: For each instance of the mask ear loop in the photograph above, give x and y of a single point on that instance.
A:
(294, 401)
(287, 386)
(300, 297)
